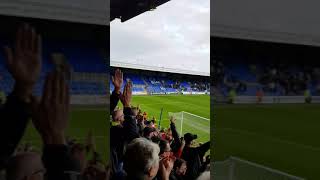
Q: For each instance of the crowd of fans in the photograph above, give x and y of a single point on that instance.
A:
(142, 151)
(61, 158)
(280, 78)
(275, 79)
(196, 86)
(139, 150)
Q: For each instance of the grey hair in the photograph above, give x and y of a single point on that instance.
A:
(141, 155)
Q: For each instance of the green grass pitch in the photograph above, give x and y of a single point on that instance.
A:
(85, 118)
(283, 137)
(82, 120)
(195, 104)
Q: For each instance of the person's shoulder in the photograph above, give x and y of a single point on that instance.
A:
(172, 176)
(190, 150)
(116, 129)
(119, 176)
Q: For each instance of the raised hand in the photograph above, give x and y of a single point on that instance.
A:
(50, 116)
(117, 80)
(126, 96)
(165, 167)
(172, 119)
(24, 61)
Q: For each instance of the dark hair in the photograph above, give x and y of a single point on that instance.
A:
(156, 139)
(178, 163)
(162, 144)
(147, 131)
(162, 130)
(188, 137)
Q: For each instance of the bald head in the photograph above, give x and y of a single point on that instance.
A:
(25, 166)
(118, 115)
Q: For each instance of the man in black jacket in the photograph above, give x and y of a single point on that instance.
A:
(122, 134)
(24, 64)
(193, 156)
(176, 143)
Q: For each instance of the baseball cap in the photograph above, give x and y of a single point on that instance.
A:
(188, 137)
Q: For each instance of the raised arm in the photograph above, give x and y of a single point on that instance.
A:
(204, 148)
(24, 64)
(129, 124)
(175, 135)
(178, 154)
(50, 118)
(14, 119)
(117, 81)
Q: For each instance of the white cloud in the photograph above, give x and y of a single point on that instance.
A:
(175, 35)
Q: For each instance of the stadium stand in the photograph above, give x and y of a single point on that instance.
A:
(88, 69)
(136, 138)
(280, 80)
(260, 79)
(81, 45)
(276, 69)
(169, 83)
(73, 56)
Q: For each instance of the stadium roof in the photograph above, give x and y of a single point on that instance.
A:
(286, 21)
(82, 11)
(127, 9)
(164, 40)
(154, 68)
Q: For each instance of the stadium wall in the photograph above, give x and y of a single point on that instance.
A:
(139, 93)
(163, 93)
(274, 99)
(195, 93)
(171, 93)
(89, 100)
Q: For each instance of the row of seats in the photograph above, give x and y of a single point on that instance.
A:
(84, 57)
(76, 87)
(243, 73)
(153, 84)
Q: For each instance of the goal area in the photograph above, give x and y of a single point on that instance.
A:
(238, 169)
(188, 122)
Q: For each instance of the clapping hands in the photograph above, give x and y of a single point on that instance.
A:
(50, 115)
(117, 80)
(126, 96)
